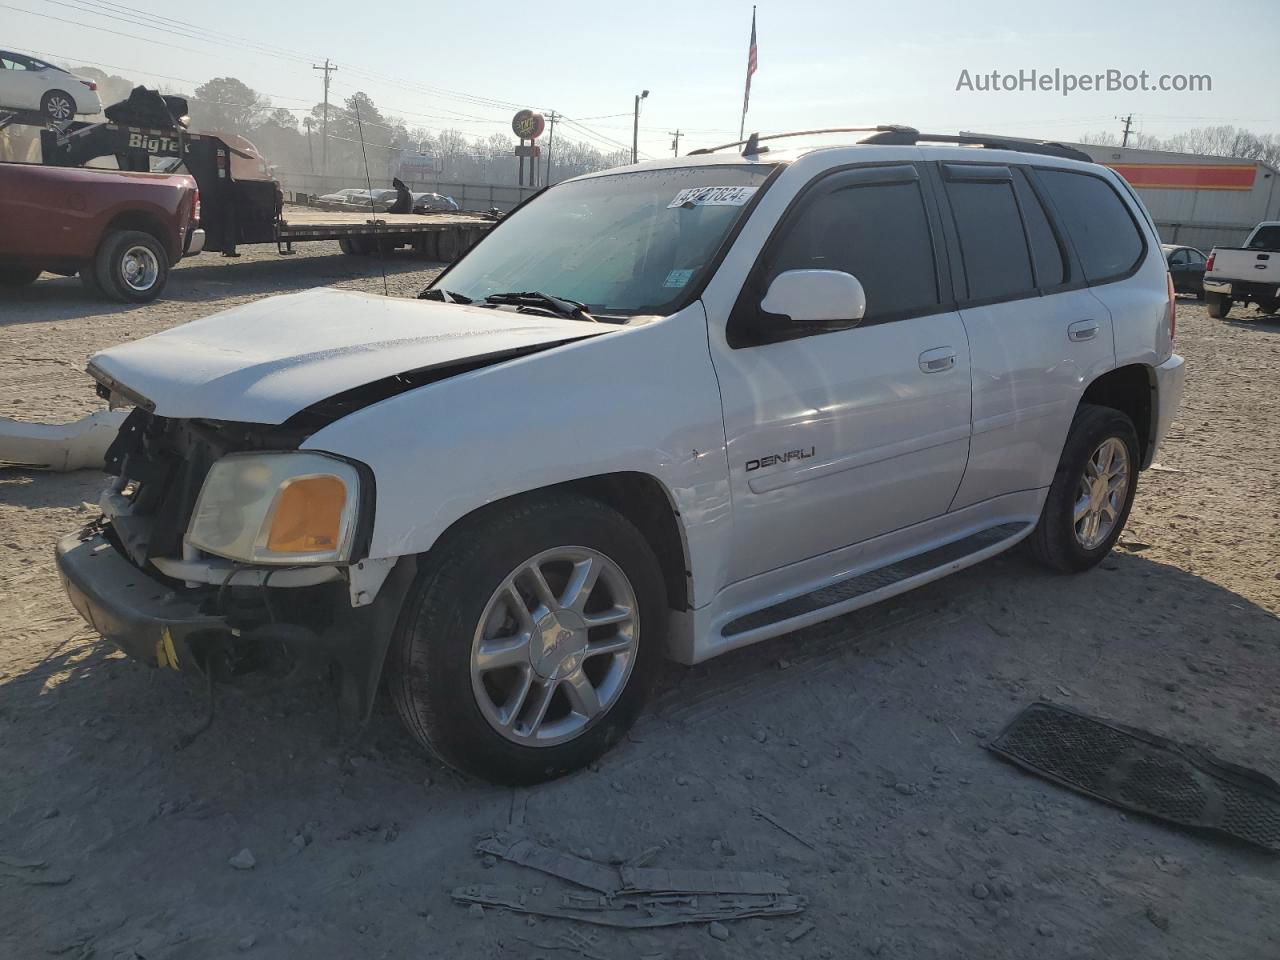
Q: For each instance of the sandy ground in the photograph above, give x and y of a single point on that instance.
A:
(862, 736)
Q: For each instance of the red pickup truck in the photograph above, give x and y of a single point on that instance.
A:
(120, 231)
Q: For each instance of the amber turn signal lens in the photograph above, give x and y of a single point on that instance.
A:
(308, 515)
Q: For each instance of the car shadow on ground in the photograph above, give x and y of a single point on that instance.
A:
(1256, 320)
(51, 298)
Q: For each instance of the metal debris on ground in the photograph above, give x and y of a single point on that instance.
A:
(626, 895)
(782, 826)
(1143, 772)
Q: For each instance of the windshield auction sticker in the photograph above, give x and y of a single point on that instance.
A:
(712, 197)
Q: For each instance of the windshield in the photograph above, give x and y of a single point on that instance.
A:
(1267, 238)
(627, 243)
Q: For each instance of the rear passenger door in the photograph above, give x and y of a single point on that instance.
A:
(838, 432)
(1037, 335)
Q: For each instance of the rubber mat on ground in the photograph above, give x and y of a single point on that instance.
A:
(1140, 771)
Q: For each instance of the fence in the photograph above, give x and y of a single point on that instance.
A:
(470, 196)
(1204, 236)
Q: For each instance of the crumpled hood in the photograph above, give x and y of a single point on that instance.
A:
(265, 361)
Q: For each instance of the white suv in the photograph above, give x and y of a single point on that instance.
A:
(670, 409)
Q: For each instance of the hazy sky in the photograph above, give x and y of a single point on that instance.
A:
(821, 64)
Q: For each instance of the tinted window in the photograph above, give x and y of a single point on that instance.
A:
(992, 242)
(1267, 238)
(877, 232)
(1195, 257)
(1178, 257)
(1046, 254)
(1103, 232)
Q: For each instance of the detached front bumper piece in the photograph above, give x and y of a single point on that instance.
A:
(141, 615)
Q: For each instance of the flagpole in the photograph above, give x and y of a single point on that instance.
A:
(751, 67)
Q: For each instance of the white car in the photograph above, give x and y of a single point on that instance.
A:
(30, 84)
(666, 410)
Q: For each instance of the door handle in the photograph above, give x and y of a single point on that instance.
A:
(937, 360)
(1082, 330)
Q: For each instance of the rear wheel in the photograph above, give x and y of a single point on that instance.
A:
(1092, 491)
(1269, 306)
(1218, 305)
(58, 106)
(18, 276)
(131, 266)
(531, 639)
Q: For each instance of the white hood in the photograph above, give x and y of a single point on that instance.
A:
(265, 361)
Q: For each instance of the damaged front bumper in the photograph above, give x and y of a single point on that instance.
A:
(141, 615)
(204, 630)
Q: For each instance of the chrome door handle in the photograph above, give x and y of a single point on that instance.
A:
(1082, 330)
(937, 360)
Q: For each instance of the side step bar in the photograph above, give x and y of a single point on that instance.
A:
(867, 588)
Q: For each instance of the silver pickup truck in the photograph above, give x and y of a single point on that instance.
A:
(1248, 274)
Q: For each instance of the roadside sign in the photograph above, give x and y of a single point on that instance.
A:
(528, 125)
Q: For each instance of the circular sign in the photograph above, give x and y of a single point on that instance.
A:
(528, 125)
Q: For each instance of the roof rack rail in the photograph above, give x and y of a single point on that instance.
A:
(1043, 147)
(752, 141)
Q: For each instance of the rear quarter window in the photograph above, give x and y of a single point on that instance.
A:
(1106, 238)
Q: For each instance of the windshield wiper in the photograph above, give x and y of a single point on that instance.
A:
(444, 296)
(561, 306)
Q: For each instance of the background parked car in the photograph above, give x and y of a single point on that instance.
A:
(30, 84)
(433, 203)
(1186, 266)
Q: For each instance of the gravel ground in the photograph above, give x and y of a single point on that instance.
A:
(862, 738)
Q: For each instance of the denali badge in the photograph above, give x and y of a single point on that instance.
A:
(775, 458)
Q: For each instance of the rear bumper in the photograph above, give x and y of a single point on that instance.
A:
(1170, 377)
(139, 614)
(195, 243)
(1242, 289)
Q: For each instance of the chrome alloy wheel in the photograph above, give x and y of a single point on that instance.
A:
(1102, 492)
(140, 268)
(555, 646)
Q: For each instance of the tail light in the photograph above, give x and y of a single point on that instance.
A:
(195, 207)
(1173, 309)
(91, 85)
(1209, 263)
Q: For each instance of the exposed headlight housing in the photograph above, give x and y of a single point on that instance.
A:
(285, 508)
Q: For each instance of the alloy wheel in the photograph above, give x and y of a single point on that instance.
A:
(555, 646)
(1102, 491)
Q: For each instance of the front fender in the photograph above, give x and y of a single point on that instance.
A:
(641, 400)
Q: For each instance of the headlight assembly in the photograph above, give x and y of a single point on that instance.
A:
(277, 508)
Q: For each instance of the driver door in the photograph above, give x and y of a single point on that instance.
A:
(841, 432)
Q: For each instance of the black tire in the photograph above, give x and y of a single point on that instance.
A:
(110, 265)
(1218, 305)
(18, 276)
(1054, 541)
(429, 664)
(59, 106)
(1269, 307)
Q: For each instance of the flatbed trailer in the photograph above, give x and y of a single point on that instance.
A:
(436, 236)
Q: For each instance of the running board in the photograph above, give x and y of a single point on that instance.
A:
(867, 588)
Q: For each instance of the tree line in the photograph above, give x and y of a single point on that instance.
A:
(1218, 141)
(293, 142)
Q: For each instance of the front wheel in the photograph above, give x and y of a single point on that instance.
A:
(1218, 305)
(531, 639)
(1092, 491)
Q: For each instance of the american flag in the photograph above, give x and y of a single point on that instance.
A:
(751, 63)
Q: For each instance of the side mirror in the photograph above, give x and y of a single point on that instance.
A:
(816, 296)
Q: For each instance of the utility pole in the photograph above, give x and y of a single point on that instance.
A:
(551, 139)
(675, 144)
(635, 127)
(1128, 125)
(324, 130)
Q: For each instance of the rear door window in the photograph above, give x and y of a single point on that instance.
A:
(993, 244)
(1046, 248)
(1102, 230)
